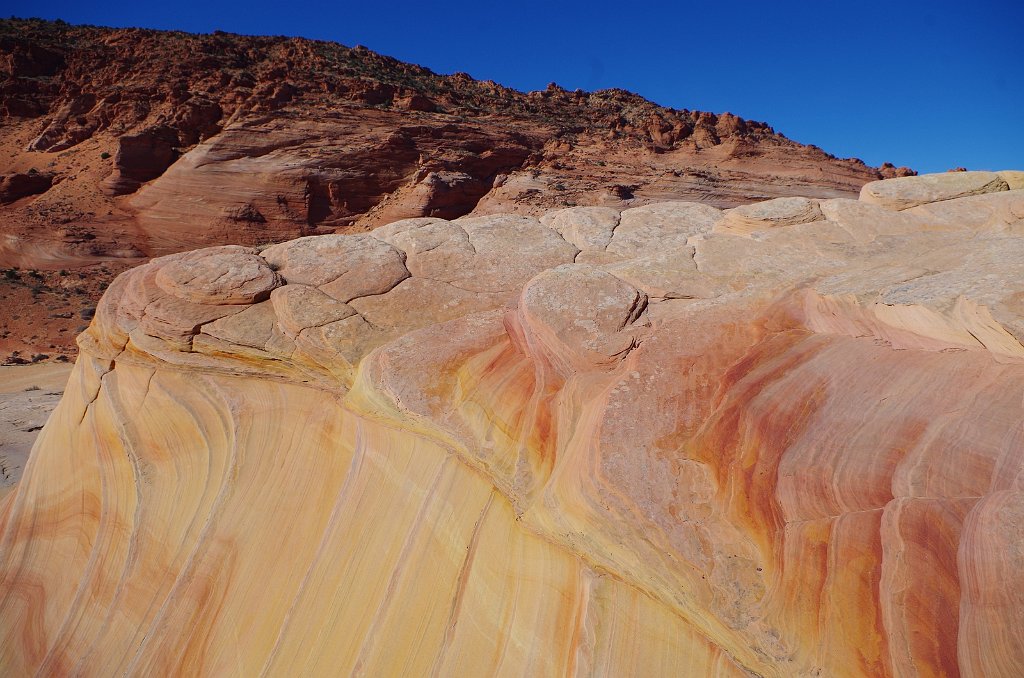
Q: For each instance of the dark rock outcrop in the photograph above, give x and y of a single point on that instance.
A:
(141, 157)
(22, 184)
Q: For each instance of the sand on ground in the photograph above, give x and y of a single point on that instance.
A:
(28, 393)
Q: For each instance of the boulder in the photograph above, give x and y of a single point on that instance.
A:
(905, 192)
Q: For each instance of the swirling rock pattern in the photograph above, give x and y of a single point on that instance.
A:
(779, 440)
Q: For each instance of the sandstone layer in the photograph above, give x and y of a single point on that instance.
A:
(117, 145)
(120, 132)
(778, 440)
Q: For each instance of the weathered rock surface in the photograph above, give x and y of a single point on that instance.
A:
(780, 440)
(901, 195)
(224, 138)
(130, 144)
(749, 219)
(20, 185)
(141, 157)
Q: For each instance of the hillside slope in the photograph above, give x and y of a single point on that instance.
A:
(121, 144)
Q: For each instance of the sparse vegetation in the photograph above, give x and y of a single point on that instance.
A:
(325, 73)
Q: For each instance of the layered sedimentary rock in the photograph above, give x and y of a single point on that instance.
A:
(254, 139)
(778, 440)
(125, 144)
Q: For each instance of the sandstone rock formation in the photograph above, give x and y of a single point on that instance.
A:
(315, 135)
(129, 144)
(900, 195)
(20, 185)
(778, 440)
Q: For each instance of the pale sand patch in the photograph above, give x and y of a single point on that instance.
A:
(28, 393)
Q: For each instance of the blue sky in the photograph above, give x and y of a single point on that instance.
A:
(932, 85)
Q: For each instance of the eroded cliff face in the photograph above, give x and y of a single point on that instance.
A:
(117, 145)
(133, 143)
(782, 439)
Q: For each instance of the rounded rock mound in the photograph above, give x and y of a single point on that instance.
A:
(906, 192)
(234, 276)
(775, 213)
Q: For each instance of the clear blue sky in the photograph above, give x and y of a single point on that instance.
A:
(930, 84)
